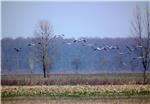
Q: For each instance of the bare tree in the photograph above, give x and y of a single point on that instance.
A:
(76, 63)
(44, 37)
(141, 31)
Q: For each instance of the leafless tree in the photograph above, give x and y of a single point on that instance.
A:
(44, 37)
(76, 63)
(141, 32)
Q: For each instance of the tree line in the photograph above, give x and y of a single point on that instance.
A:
(41, 49)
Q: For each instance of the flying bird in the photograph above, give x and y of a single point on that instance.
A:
(17, 49)
(124, 63)
(39, 42)
(33, 44)
(95, 48)
(99, 49)
(75, 41)
(121, 53)
(80, 40)
(135, 47)
(90, 45)
(130, 49)
(113, 47)
(117, 47)
(139, 46)
(68, 43)
(61, 35)
(138, 57)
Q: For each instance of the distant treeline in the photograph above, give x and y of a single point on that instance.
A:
(65, 57)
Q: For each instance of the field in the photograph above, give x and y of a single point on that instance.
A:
(77, 91)
(72, 85)
(73, 79)
(48, 100)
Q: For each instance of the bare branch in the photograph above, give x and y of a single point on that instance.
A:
(43, 36)
(142, 35)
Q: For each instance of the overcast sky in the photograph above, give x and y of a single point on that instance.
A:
(74, 19)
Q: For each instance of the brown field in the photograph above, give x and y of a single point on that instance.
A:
(73, 79)
(47, 100)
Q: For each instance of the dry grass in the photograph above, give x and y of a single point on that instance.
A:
(72, 79)
(78, 90)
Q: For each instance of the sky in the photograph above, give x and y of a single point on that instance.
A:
(73, 19)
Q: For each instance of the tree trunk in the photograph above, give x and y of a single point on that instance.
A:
(144, 73)
(144, 77)
(76, 69)
(44, 71)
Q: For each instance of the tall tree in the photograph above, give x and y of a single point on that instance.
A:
(76, 63)
(44, 37)
(141, 31)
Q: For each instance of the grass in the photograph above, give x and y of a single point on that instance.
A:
(71, 85)
(76, 91)
(73, 79)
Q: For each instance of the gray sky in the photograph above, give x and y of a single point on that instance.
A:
(74, 19)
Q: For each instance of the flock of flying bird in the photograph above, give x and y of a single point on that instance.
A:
(93, 46)
(105, 48)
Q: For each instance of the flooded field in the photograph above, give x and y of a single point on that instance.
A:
(46, 100)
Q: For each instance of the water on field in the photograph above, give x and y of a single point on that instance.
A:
(46, 100)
